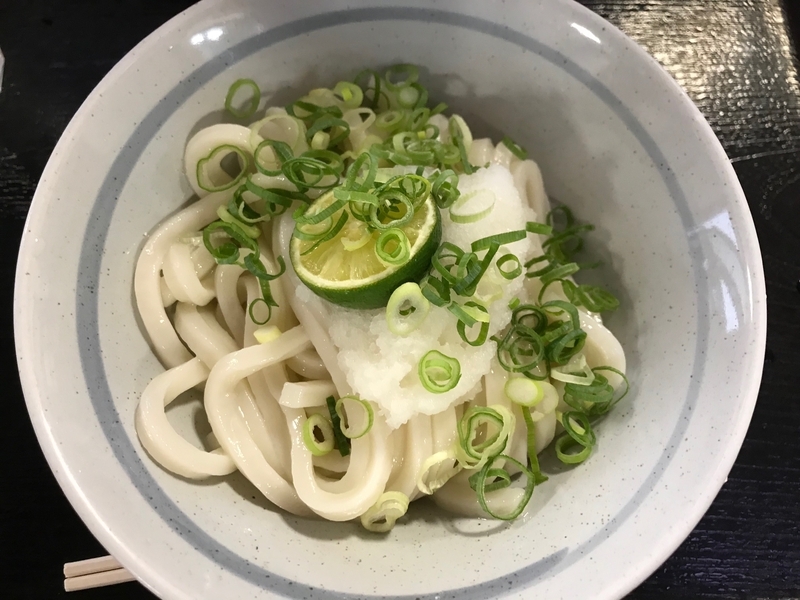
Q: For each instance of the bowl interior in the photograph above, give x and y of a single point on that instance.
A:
(616, 142)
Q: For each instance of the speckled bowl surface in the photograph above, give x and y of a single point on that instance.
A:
(616, 140)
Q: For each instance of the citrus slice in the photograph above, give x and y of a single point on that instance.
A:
(346, 270)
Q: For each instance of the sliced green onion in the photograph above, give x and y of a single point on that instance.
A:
(521, 350)
(577, 425)
(566, 447)
(576, 371)
(393, 248)
(249, 230)
(352, 96)
(534, 227)
(355, 171)
(382, 516)
(355, 416)
(439, 108)
(436, 291)
(342, 442)
(418, 118)
(277, 200)
(560, 272)
(307, 217)
(414, 186)
(313, 111)
(282, 152)
(598, 397)
(561, 212)
(390, 120)
(203, 180)
(479, 484)
(407, 98)
(470, 270)
(559, 307)
(524, 391)
(479, 314)
(483, 432)
(438, 372)
(353, 196)
(445, 188)
(512, 273)
(321, 140)
(311, 169)
(446, 256)
(533, 459)
(227, 253)
(469, 313)
(410, 74)
(251, 106)
(329, 123)
(499, 238)
(394, 210)
(563, 348)
(485, 200)
(318, 435)
(407, 309)
(375, 80)
(437, 470)
(595, 299)
(516, 149)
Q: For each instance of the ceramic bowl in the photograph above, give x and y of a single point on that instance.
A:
(617, 141)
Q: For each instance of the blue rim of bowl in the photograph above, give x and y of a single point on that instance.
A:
(89, 279)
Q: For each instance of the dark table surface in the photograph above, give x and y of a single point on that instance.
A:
(735, 58)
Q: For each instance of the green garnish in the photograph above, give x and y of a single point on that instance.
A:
(250, 106)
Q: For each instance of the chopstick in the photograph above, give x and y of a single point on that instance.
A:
(94, 572)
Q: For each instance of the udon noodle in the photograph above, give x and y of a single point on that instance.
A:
(261, 383)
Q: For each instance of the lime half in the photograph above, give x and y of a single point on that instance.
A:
(346, 270)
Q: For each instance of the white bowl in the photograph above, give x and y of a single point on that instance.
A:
(617, 141)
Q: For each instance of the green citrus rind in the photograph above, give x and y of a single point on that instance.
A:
(373, 291)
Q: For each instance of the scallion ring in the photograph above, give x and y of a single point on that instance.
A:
(394, 210)
(515, 148)
(533, 459)
(576, 371)
(410, 74)
(203, 178)
(318, 435)
(249, 230)
(352, 96)
(482, 317)
(281, 152)
(524, 391)
(391, 120)
(251, 106)
(355, 416)
(445, 188)
(566, 447)
(438, 372)
(407, 309)
(392, 247)
(483, 432)
(382, 516)
(515, 270)
(437, 470)
(342, 441)
(227, 253)
(481, 203)
(499, 238)
(482, 487)
(577, 425)
(361, 174)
